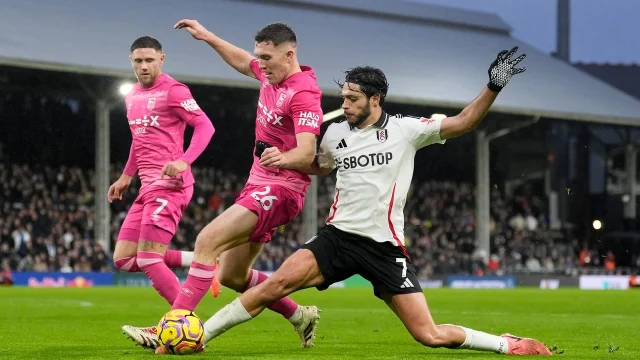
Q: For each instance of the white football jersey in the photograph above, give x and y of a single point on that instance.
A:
(374, 172)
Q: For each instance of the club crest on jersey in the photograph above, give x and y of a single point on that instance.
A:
(151, 103)
(382, 135)
(281, 99)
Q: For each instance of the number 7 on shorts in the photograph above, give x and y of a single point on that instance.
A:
(163, 204)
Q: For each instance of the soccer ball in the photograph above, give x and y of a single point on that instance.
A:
(181, 332)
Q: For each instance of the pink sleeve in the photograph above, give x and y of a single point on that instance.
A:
(306, 112)
(202, 132)
(182, 103)
(132, 166)
(255, 68)
(186, 108)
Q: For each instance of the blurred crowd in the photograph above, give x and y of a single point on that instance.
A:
(47, 222)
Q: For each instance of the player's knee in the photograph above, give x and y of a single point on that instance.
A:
(231, 279)
(431, 338)
(117, 257)
(205, 241)
(279, 285)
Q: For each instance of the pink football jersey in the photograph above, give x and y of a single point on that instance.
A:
(284, 110)
(158, 116)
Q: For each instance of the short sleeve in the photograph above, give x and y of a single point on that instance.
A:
(182, 103)
(255, 69)
(305, 112)
(421, 132)
(325, 158)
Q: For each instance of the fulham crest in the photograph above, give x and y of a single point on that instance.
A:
(382, 135)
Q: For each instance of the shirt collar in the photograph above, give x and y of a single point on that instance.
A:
(381, 123)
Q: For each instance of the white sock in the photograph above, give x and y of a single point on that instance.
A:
(296, 318)
(229, 316)
(187, 258)
(478, 340)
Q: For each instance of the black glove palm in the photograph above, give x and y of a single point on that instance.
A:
(503, 68)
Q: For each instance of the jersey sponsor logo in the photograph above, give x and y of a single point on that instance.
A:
(146, 121)
(382, 135)
(266, 116)
(369, 160)
(309, 118)
(151, 103)
(281, 99)
(190, 105)
(427, 121)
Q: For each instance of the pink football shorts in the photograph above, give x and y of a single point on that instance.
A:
(156, 205)
(275, 205)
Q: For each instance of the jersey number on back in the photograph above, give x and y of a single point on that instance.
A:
(264, 198)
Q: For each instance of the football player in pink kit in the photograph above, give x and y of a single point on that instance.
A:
(288, 120)
(158, 110)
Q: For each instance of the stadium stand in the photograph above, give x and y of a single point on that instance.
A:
(46, 224)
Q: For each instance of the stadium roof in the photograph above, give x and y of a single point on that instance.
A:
(432, 55)
(623, 76)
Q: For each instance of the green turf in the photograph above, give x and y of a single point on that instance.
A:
(85, 324)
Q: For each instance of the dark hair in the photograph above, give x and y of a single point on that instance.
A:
(277, 33)
(372, 81)
(145, 42)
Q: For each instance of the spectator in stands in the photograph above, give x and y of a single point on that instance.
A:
(47, 222)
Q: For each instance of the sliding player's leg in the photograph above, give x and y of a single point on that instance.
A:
(235, 272)
(414, 313)
(320, 262)
(394, 280)
(298, 272)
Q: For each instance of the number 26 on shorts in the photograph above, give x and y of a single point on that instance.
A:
(264, 198)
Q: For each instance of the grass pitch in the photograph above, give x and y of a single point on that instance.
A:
(72, 323)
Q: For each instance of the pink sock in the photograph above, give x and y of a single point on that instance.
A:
(162, 278)
(285, 306)
(197, 284)
(127, 264)
(173, 258)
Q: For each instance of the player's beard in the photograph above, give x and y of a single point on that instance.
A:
(363, 116)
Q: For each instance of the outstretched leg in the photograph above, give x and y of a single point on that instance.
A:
(235, 273)
(298, 272)
(413, 311)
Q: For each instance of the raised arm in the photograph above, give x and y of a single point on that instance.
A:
(236, 57)
(500, 72)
